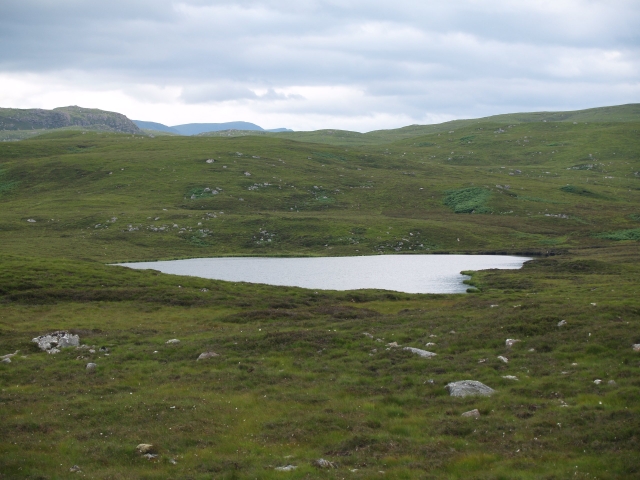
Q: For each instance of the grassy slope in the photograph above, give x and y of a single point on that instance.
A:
(296, 379)
(620, 113)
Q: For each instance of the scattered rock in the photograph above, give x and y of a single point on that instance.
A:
(510, 377)
(562, 323)
(150, 456)
(9, 355)
(504, 359)
(204, 289)
(91, 367)
(92, 350)
(482, 360)
(422, 353)
(75, 469)
(597, 381)
(612, 382)
(471, 413)
(532, 349)
(173, 341)
(210, 160)
(322, 463)
(247, 174)
(205, 355)
(172, 461)
(145, 448)
(511, 341)
(31, 220)
(104, 350)
(393, 344)
(429, 344)
(465, 388)
(288, 468)
(636, 347)
(6, 360)
(53, 342)
(368, 335)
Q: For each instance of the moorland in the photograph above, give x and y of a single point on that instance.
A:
(295, 378)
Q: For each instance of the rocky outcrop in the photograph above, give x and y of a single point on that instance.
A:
(39, 119)
(53, 342)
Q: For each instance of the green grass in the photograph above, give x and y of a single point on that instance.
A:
(468, 200)
(631, 234)
(296, 379)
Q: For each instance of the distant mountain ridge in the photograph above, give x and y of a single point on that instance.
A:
(197, 128)
(61, 117)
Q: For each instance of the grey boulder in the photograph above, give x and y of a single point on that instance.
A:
(466, 388)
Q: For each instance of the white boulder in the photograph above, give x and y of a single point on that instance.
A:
(422, 353)
(466, 388)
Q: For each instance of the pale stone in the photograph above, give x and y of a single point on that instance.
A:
(145, 448)
(422, 353)
(471, 413)
(322, 463)
(466, 388)
(205, 355)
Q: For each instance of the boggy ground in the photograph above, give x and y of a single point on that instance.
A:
(296, 379)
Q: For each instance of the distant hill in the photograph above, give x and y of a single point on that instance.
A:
(199, 128)
(14, 119)
(196, 128)
(155, 126)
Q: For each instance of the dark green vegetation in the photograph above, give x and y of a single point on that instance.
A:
(296, 378)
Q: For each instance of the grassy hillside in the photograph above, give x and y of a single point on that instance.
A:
(544, 186)
(296, 379)
(621, 113)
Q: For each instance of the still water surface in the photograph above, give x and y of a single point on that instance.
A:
(401, 273)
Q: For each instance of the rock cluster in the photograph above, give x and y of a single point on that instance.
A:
(53, 342)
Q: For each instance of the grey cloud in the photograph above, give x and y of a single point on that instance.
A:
(405, 56)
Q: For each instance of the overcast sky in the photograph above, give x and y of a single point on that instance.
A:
(310, 64)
